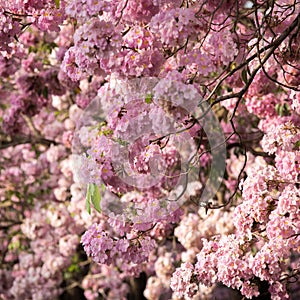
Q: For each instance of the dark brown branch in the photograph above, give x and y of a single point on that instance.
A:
(273, 46)
(25, 140)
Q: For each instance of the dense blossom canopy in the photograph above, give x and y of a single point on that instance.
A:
(149, 149)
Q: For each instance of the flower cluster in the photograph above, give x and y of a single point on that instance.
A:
(103, 249)
(110, 149)
(266, 226)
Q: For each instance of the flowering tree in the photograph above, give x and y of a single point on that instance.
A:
(150, 149)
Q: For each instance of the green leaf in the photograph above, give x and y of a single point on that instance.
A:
(282, 109)
(286, 109)
(244, 76)
(96, 198)
(296, 145)
(120, 141)
(93, 196)
(14, 245)
(107, 132)
(148, 98)
(88, 198)
(57, 3)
